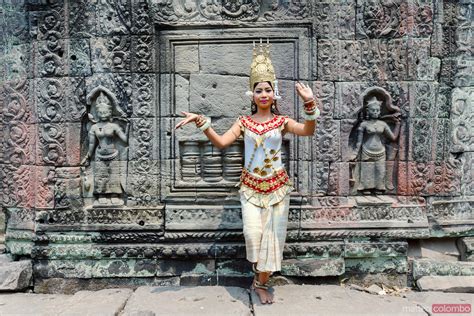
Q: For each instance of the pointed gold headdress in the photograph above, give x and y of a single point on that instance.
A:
(261, 69)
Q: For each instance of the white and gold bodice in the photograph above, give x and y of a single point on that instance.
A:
(264, 180)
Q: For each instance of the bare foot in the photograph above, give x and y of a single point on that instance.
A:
(263, 294)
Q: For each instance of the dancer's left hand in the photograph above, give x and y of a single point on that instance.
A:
(304, 91)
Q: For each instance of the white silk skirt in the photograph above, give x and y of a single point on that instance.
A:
(265, 233)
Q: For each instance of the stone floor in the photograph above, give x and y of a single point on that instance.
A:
(215, 300)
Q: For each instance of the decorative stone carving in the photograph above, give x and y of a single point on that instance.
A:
(245, 10)
(107, 134)
(370, 150)
(282, 10)
(462, 118)
(161, 57)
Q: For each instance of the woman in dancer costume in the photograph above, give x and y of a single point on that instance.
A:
(265, 186)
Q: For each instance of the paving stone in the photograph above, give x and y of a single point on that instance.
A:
(104, 302)
(426, 300)
(207, 300)
(457, 284)
(332, 300)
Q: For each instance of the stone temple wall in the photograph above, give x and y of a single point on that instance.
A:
(129, 200)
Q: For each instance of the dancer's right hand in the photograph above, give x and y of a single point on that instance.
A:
(189, 117)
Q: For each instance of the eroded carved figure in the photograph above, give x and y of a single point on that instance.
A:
(372, 137)
(107, 149)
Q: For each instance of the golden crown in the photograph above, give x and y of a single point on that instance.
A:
(261, 69)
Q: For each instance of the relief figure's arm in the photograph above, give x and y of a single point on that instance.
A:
(121, 134)
(392, 136)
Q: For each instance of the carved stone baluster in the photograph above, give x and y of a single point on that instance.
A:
(233, 162)
(211, 163)
(190, 161)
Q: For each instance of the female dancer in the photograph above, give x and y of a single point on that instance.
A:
(265, 185)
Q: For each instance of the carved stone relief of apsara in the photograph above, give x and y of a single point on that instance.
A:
(373, 142)
(104, 166)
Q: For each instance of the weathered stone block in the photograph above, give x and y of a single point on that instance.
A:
(114, 19)
(464, 66)
(17, 60)
(140, 139)
(324, 93)
(143, 182)
(181, 89)
(467, 176)
(59, 100)
(466, 248)
(422, 66)
(462, 122)
(335, 19)
(186, 59)
(423, 99)
(143, 58)
(20, 141)
(209, 94)
(233, 267)
(439, 249)
(18, 187)
(50, 57)
(456, 284)
(2, 223)
(339, 178)
(204, 218)
(58, 144)
(142, 16)
(177, 267)
(327, 141)
(82, 19)
(79, 58)
(375, 249)
(71, 286)
(111, 54)
(376, 265)
(448, 214)
(425, 267)
(312, 267)
(421, 140)
(101, 218)
(95, 268)
(312, 178)
(15, 276)
(238, 57)
(320, 250)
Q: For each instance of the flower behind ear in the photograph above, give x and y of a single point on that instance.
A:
(249, 94)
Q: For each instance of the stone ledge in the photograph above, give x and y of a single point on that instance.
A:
(456, 284)
(312, 267)
(424, 267)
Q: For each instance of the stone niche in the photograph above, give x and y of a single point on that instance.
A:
(168, 211)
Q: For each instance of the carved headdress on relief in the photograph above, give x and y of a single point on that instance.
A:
(261, 69)
(101, 97)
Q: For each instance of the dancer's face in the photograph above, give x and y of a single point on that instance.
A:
(263, 95)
